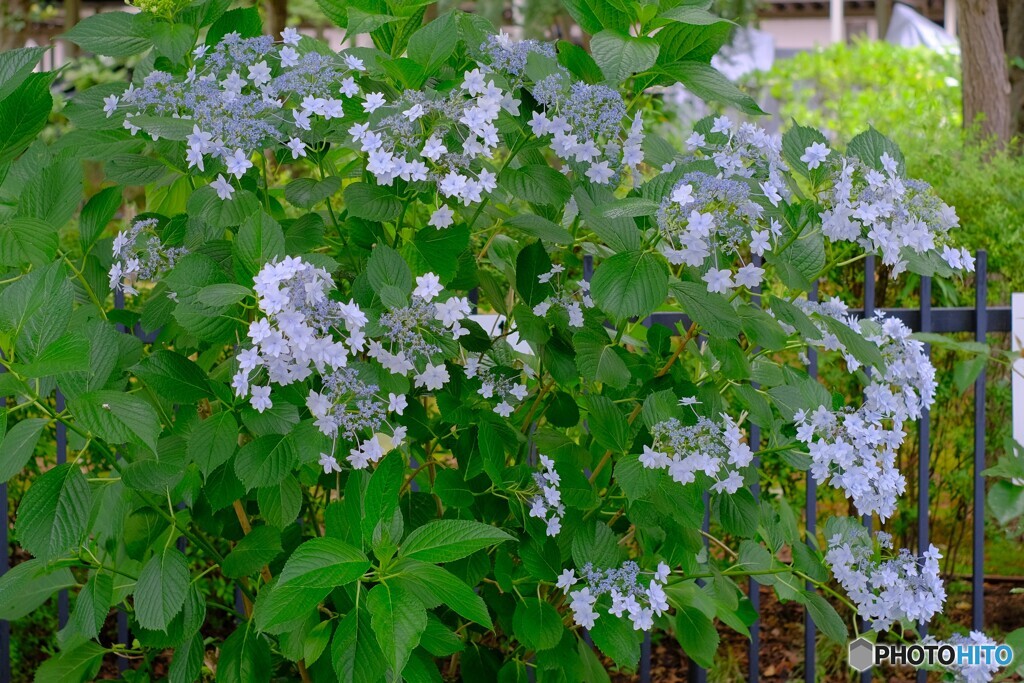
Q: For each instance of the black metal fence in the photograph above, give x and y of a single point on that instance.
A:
(979, 320)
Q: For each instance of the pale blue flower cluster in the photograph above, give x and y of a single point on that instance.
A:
(510, 56)
(630, 592)
(888, 590)
(708, 447)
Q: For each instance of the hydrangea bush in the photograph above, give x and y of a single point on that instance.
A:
(374, 346)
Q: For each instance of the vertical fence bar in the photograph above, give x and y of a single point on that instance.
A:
(698, 674)
(811, 512)
(122, 617)
(753, 587)
(869, 311)
(62, 457)
(5, 564)
(978, 558)
(645, 658)
(924, 454)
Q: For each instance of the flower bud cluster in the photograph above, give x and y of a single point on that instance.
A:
(714, 449)
(547, 505)
(139, 255)
(888, 590)
(629, 592)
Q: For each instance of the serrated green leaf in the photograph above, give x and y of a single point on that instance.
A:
(447, 540)
(54, 513)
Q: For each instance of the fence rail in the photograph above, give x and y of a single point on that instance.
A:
(980, 320)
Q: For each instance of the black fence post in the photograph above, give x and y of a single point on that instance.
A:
(978, 558)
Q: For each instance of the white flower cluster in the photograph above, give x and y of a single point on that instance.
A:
(297, 334)
(855, 450)
(548, 504)
(716, 450)
(496, 386)
(564, 299)
(585, 123)
(237, 95)
(980, 672)
(139, 255)
(410, 336)
(442, 139)
(625, 590)
(888, 214)
(888, 590)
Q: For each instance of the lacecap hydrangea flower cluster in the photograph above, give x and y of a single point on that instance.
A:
(618, 591)
(140, 255)
(547, 505)
(714, 449)
(856, 449)
(889, 590)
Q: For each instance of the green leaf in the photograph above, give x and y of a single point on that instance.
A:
(531, 263)
(244, 657)
(80, 663)
(161, 589)
(579, 62)
(266, 460)
(447, 540)
(631, 284)
(431, 45)
(537, 624)
(27, 241)
(260, 240)
(607, 424)
(173, 377)
(117, 417)
(595, 543)
(386, 267)
(710, 85)
(537, 183)
(213, 441)
(173, 40)
(869, 147)
(435, 586)
(697, 635)
(825, 617)
(541, 228)
(93, 604)
(54, 512)
(280, 505)
(739, 513)
(314, 569)
(620, 55)
(23, 114)
(35, 310)
(17, 446)
(597, 359)
(69, 353)
(254, 551)
(692, 42)
(710, 310)
(354, 651)
(398, 620)
(372, 202)
(616, 637)
(16, 65)
(222, 294)
(306, 193)
(243, 20)
(439, 250)
(112, 34)
(28, 585)
(97, 213)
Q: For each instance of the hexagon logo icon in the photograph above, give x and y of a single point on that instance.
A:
(862, 654)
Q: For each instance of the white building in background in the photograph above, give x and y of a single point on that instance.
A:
(803, 24)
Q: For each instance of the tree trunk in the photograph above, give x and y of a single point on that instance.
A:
(986, 87)
(277, 16)
(1015, 53)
